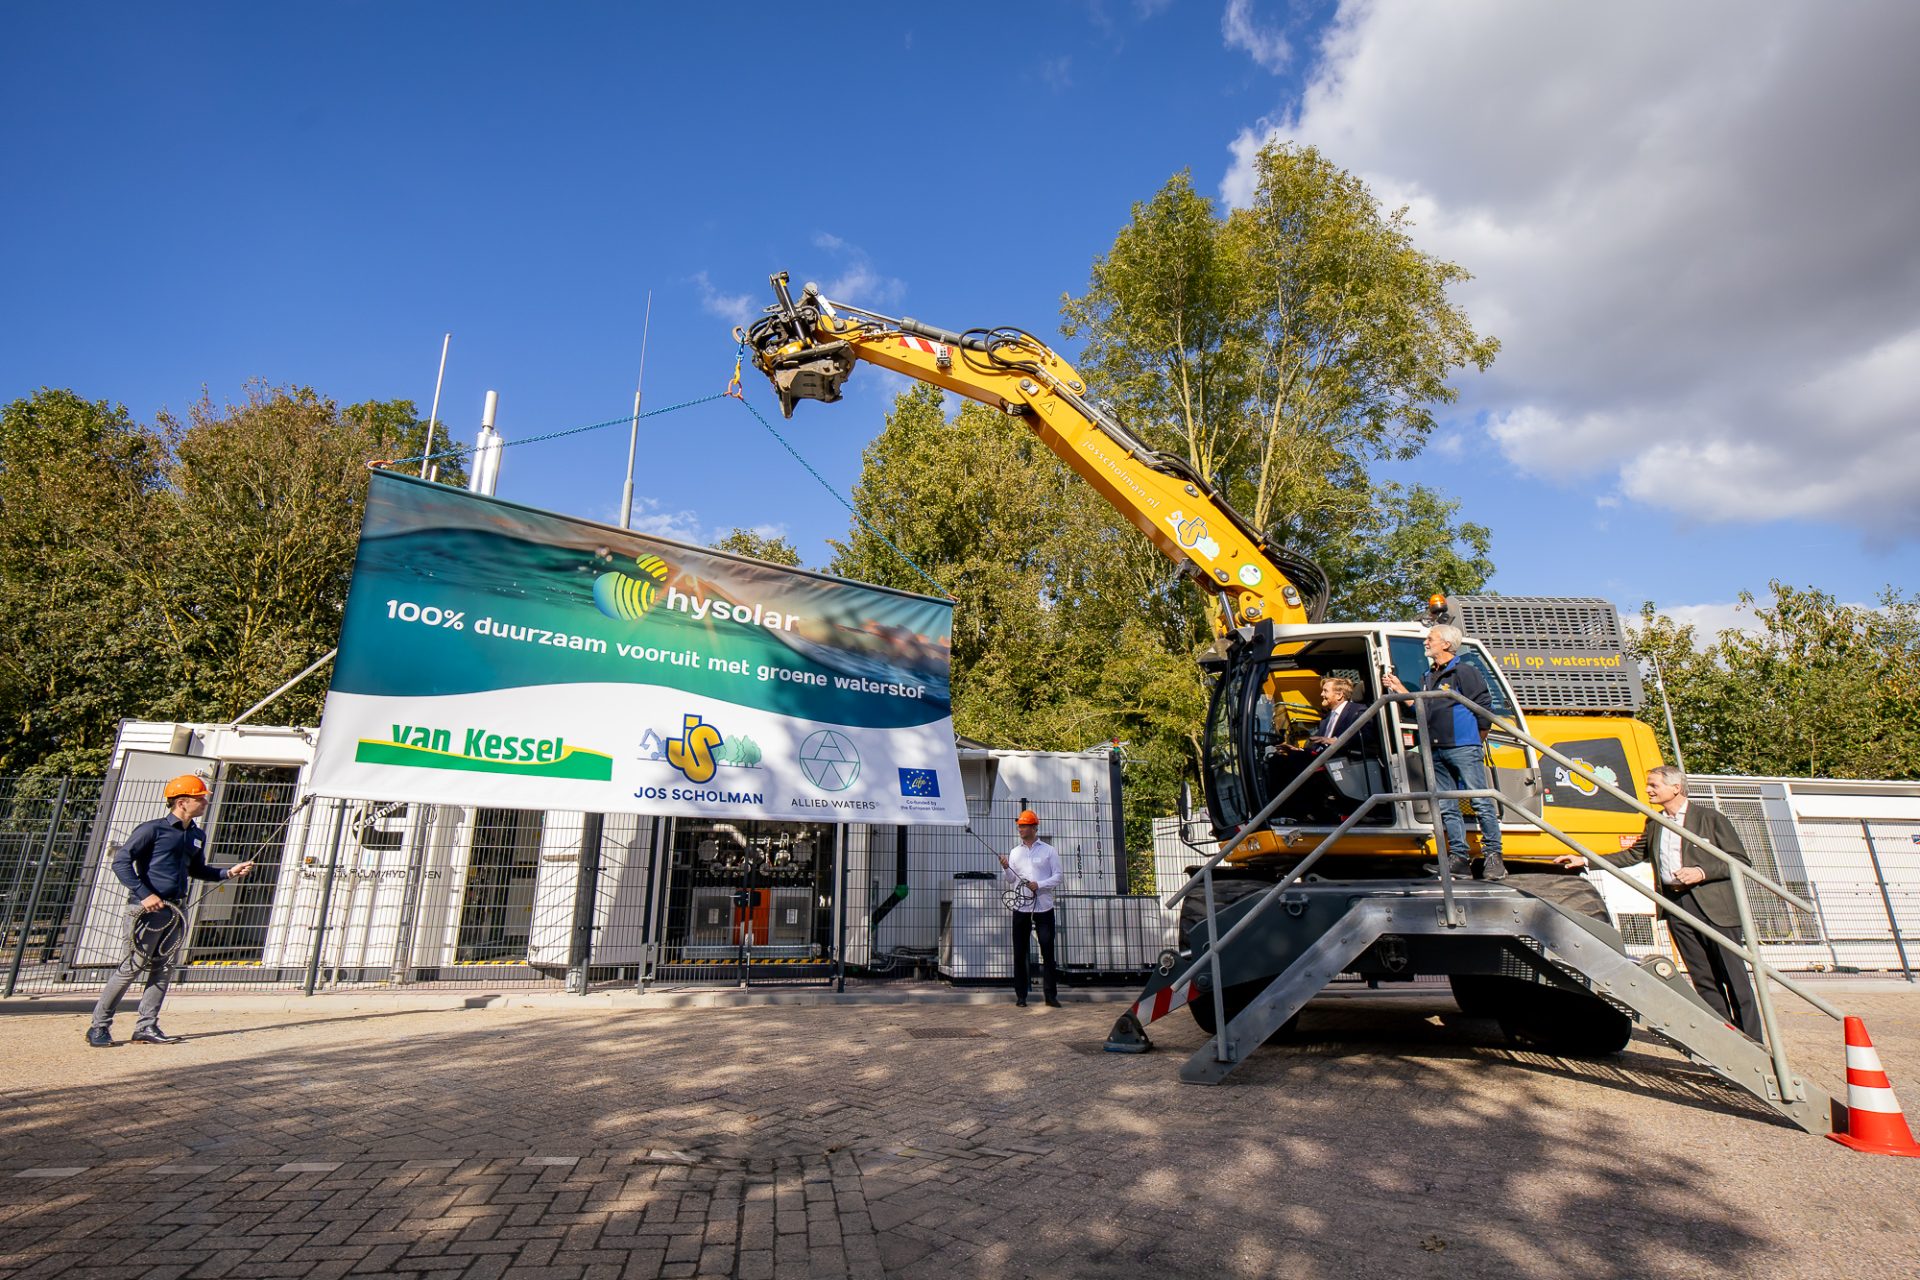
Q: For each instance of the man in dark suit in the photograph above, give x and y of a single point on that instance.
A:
(1336, 697)
(1699, 883)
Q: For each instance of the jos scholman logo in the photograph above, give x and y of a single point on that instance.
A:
(692, 752)
(829, 760)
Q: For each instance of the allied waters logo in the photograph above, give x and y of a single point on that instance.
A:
(829, 760)
(630, 598)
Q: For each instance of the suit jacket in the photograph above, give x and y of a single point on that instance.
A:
(1713, 897)
(1342, 716)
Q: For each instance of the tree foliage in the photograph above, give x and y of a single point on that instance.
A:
(78, 487)
(772, 548)
(178, 571)
(1282, 349)
(1821, 689)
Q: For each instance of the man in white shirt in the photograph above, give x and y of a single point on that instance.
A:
(1031, 870)
(1700, 883)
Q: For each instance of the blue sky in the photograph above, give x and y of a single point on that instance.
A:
(1693, 234)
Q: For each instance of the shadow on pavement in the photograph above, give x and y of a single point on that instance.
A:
(1379, 1145)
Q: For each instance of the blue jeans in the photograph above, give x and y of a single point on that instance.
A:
(1464, 768)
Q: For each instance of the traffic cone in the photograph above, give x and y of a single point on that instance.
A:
(1874, 1122)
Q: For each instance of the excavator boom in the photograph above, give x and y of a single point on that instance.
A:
(808, 348)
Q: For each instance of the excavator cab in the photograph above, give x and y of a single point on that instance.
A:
(1267, 706)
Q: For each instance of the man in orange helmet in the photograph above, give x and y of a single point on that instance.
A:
(157, 863)
(1032, 871)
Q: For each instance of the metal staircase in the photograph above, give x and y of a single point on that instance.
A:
(1255, 976)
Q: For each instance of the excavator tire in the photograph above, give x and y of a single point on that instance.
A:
(1572, 1024)
(1237, 998)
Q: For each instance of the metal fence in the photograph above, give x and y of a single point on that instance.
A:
(349, 893)
(43, 838)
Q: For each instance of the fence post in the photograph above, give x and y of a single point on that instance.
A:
(649, 940)
(840, 903)
(586, 890)
(1886, 900)
(39, 879)
(326, 893)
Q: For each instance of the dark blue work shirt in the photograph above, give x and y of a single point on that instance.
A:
(161, 856)
(1449, 723)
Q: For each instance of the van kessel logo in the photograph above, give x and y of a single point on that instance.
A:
(829, 760)
(631, 597)
(919, 782)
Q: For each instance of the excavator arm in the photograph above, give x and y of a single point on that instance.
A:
(808, 348)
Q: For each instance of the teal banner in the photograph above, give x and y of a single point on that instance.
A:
(488, 644)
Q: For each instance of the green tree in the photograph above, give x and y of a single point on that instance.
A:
(394, 429)
(76, 482)
(1281, 349)
(1820, 689)
(261, 519)
(772, 548)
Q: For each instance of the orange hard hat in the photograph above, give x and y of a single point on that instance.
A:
(1027, 818)
(187, 784)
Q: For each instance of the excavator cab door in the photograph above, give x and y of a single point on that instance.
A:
(1265, 711)
(1513, 768)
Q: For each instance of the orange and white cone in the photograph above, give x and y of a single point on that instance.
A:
(1874, 1121)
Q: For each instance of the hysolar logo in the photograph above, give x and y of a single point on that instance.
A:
(630, 598)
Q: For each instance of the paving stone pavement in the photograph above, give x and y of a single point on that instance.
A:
(1394, 1138)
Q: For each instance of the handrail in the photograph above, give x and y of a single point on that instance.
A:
(1738, 870)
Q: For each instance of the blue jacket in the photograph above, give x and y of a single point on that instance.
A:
(1448, 723)
(161, 857)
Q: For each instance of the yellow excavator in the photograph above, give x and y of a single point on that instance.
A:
(1326, 856)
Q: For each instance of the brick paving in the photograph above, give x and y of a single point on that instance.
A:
(1396, 1138)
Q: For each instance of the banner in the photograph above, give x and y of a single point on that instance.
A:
(493, 654)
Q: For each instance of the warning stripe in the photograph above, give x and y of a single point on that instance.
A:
(1164, 1002)
(1863, 1057)
(1867, 1079)
(1861, 1098)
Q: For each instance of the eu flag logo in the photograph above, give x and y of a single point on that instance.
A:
(919, 782)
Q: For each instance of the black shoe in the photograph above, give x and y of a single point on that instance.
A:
(1459, 864)
(155, 1036)
(100, 1037)
(1494, 868)
(1052, 1003)
(1019, 1001)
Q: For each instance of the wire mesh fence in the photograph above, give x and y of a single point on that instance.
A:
(346, 893)
(351, 893)
(44, 823)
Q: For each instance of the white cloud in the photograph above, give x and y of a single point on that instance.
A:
(1692, 227)
(681, 526)
(858, 281)
(1266, 45)
(1707, 620)
(735, 308)
(1057, 73)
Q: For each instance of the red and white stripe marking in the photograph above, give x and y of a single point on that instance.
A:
(935, 349)
(1868, 1088)
(1163, 1002)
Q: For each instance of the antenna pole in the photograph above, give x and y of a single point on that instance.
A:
(633, 437)
(434, 412)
